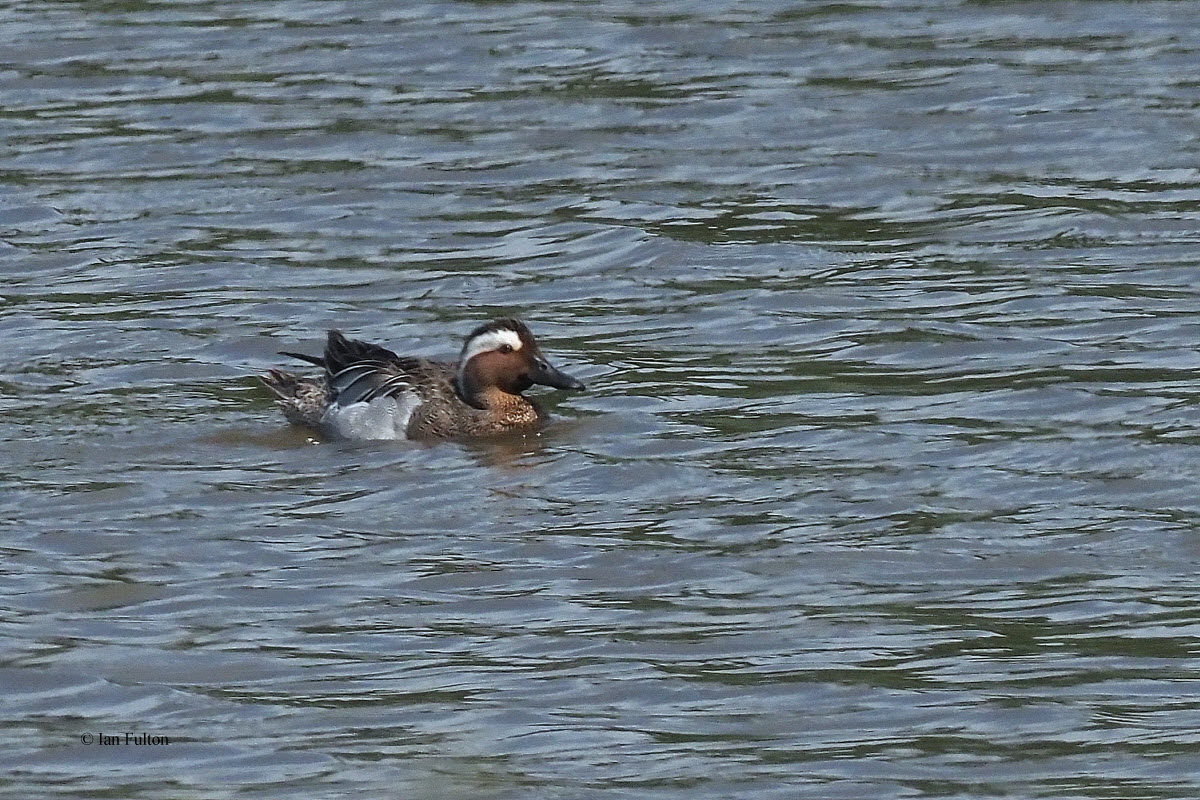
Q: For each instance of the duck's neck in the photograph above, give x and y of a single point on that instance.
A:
(485, 397)
(508, 410)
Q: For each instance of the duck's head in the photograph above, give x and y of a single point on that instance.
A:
(503, 354)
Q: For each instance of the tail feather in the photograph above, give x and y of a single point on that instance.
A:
(303, 400)
(282, 384)
(320, 362)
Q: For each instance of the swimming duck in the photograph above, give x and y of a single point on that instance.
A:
(369, 392)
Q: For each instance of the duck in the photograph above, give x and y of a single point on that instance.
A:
(367, 392)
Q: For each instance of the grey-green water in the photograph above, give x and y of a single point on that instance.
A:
(886, 484)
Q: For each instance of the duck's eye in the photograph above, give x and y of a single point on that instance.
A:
(506, 348)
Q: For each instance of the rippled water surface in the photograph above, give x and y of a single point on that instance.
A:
(886, 481)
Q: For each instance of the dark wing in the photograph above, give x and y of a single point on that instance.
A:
(341, 352)
(320, 362)
(359, 372)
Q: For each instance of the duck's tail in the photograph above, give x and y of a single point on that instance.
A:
(303, 400)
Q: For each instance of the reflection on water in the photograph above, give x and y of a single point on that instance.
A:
(884, 484)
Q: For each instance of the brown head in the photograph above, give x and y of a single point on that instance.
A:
(503, 354)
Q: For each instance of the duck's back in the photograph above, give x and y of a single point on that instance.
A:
(388, 399)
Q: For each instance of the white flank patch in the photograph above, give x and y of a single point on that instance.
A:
(492, 340)
(382, 418)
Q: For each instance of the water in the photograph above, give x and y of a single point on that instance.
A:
(885, 484)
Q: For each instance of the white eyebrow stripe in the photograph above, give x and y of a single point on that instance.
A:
(491, 340)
